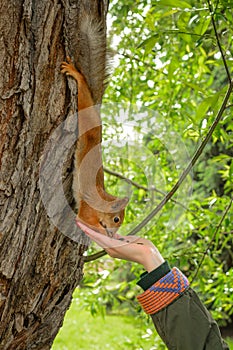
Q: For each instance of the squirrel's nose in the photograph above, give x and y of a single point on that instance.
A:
(110, 232)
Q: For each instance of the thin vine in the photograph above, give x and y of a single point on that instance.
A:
(211, 241)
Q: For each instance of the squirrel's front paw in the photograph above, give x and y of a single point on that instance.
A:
(67, 67)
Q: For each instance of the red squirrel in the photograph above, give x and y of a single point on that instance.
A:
(96, 208)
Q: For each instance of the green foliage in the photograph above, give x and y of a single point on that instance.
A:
(169, 83)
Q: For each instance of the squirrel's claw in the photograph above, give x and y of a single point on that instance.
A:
(67, 66)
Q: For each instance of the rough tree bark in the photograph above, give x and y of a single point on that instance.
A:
(39, 265)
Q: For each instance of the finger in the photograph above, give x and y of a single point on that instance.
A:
(107, 242)
(102, 240)
(87, 229)
(127, 239)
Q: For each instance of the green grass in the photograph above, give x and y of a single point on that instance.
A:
(86, 332)
(81, 331)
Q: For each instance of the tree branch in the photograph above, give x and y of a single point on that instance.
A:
(218, 41)
(212, 240)
(131, 182)
(229, 106)
(146, 189)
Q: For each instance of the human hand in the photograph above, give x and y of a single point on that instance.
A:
(129, 248)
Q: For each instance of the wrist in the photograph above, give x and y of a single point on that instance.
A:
(152, 260)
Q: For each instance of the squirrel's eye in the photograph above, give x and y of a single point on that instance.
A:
(116, 219)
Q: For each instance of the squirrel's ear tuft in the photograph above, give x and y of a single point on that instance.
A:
(120, 204)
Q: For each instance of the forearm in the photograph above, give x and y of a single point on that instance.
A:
(180, 318)
(186, 324)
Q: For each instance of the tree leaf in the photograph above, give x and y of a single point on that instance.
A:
(206, 104)
(174, 3)
(149, 43)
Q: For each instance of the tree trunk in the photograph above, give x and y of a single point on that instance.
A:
(41, 248)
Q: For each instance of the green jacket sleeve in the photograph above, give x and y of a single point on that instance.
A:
(180, 318)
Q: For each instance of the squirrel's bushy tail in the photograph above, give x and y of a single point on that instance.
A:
(94, 56)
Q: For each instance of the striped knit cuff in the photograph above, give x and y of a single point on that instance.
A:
(163, 292)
